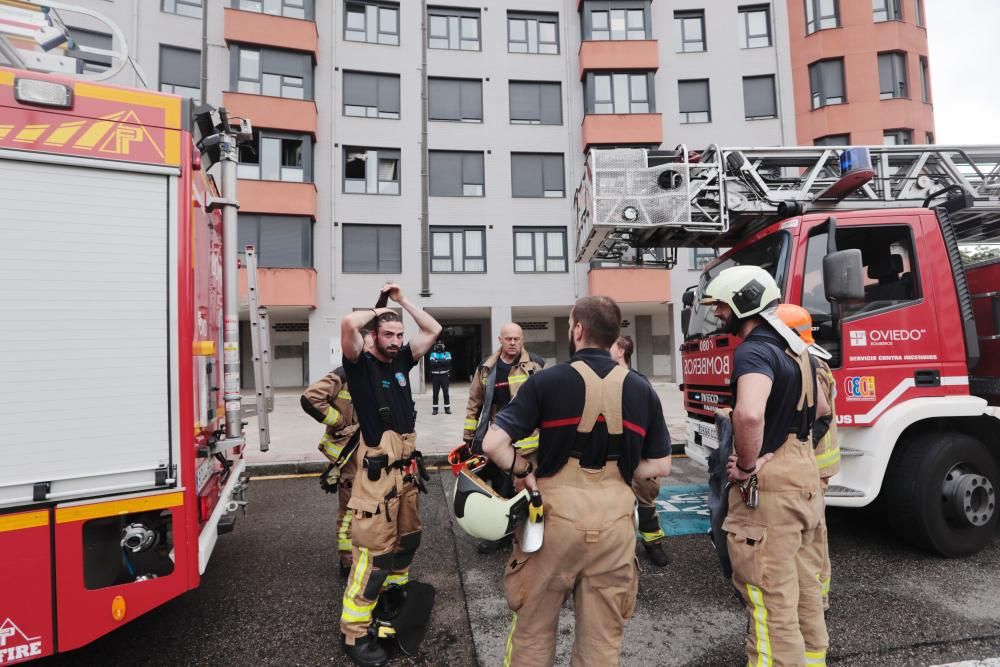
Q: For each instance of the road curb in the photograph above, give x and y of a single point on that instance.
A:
(315, 467)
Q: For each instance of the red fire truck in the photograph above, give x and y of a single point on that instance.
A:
(121, 443)
(915, 342)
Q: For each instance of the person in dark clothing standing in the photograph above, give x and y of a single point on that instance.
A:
(440, 360)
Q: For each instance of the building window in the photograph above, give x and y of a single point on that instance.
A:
(822, 14)
(92, 63)
(372, 22)
(293, 9)
(453, 28)
(281, 241)
(925, 81)
(180, 71)
(455, 99)
(617, 24)
(930, 137)
(695, 102)
(540, 250)
(833, 140)
(532, 33)
(535, 103)
(886, 10)
(456, 174)
(458, 250)
(689, 30)
(900, 137)
(759, 99)
(191, 8)
(892, 75)
(620, 93)
(373, 171)
(826, 82)
(274, 156)
(272, 72)
(702, 257)
(918, 10)
(537, 175)
(372, 249)
(755, 27)
(371, 95)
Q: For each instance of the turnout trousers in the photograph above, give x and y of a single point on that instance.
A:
(344, 515)
(589, 553)
(646, 491)
(440, 382)
(385, 530)
(775, 552)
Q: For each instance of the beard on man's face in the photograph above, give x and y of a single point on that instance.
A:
(391, 351)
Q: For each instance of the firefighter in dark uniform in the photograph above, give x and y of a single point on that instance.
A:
(600, 426)
(386, 528)
(440, 360)
(646, 490)
(776, 501)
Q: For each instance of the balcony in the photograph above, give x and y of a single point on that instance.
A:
(630, 285)
(618, 55)
(277, 197)
(295, 288)
(628, 128)
(269, 30)
(275, 113)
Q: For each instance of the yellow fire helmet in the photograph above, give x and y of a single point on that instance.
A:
(483, 513)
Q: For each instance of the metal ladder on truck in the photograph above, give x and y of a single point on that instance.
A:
(260, 339)
(632, 201)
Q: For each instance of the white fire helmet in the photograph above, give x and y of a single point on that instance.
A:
(746, 289)
(483, 513)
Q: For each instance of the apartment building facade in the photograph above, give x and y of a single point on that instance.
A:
(331, 191)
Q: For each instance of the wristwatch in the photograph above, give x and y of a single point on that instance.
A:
(528, 469)
(744, 470)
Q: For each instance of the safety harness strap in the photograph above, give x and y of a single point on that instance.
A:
(603, 396)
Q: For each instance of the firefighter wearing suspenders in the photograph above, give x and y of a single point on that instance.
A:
(600, 426)
(825, 440)
(776, 500)
(386, 528)
(328, 401)
(646, 490)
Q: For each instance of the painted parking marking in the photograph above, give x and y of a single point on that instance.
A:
(683, 510)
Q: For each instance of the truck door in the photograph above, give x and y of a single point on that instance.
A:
(887, 346)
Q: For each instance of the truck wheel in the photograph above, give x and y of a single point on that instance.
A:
(941, 494)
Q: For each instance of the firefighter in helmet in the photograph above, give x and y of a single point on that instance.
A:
(776, 489)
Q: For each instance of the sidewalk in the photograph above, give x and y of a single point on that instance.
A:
(295, 435)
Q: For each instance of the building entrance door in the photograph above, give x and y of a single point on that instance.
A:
(464, 341)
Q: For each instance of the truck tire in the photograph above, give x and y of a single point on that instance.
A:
(941, 493)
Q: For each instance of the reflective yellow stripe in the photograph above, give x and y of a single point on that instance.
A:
(397, 579)
(344, 533)
(345, 395)
(527, 443)
(760, 626)
(652, 537)
(816, 658)
(471, 424)
(510, 643)
(332, 415)
(24, 521)
(824, 584)
(353, 613)
(828, 458)
(516, 379)
(119, 507)
(359, 576)
(330, 448)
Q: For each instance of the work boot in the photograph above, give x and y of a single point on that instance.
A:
(489, 547)
(366, 652)
(447, 411)
(435, 411)
(390, 601)
(656, 553)
(345, 569)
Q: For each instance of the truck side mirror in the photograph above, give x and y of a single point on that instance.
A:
(843, 276)
(688, 298)
(685, 320)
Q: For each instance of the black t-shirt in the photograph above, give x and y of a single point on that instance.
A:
(501, 386)
(552, 400)
(763, 351)
(392, 379)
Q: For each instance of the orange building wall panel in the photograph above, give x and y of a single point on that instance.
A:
(632, 128)
(277, 197)
(630, 285)
(858, 41)
(275, 113)
(269, 30)
(619, 55)
(282, 287)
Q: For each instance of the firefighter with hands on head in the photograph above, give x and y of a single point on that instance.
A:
(645, 490)
(385, 528)
(496, 381)
(600, 426)
(776, 501)
(825, 442)
(440, 360)
(328, 401)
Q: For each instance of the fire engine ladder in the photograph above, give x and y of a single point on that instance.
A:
(634, 200)
(260, 337)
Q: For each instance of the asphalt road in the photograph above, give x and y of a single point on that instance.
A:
(271, 596)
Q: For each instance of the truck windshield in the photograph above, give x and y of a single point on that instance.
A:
(770, 253)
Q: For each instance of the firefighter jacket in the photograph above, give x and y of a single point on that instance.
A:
(825, 432)
(519, 372)
(328, 401)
